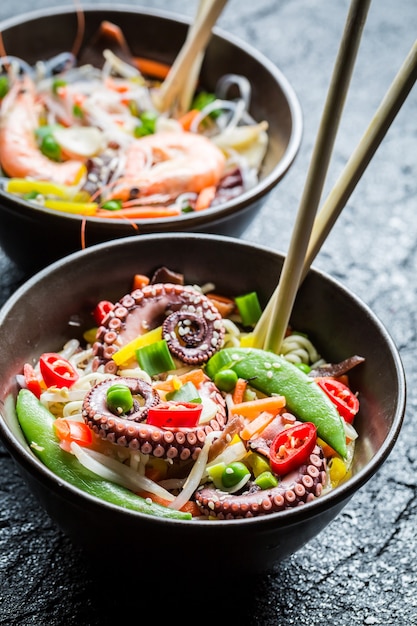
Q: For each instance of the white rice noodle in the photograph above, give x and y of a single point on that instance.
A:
(114, 63)
(299, 349)
(116, 472)
(135, 372)
(350, 431)
(196, 474)
(70, 348)
(73, 410)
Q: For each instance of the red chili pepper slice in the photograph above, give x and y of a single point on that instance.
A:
(342, 397)
(175, 414)
(31, 380)
(292, 447)
(68, 430)
(101, 310)
(57, 371)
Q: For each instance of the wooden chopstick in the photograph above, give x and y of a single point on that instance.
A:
(358, 162)
(193, 45)
(270, 330)
(185, 95)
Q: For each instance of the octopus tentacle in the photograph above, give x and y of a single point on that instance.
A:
(191, 323)
(132, 431)
(295, 489)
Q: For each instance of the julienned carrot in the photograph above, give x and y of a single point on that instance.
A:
(252, 408)
(139, 281)
(196, 377)
(257, 425)
(139, 212)
(187, 119)
(224, 305)
(239, 391)
(205, 198)
(152, 69)
(189, 507)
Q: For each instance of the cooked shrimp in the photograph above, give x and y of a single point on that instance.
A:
(171, 163)
(19, 154)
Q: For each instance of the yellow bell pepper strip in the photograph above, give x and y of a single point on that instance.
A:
(46, 188)
(273, 374)
(37, 424)
(128, 351)
(65, 206)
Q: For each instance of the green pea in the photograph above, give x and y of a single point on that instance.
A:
(112, 205)
(4, 86)
(58, 82)
(303, 367)
(226, 380)
(50, 147)
(119, 399)
(234, 473)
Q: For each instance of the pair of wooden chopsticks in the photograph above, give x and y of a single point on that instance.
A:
(179, 85)
(309, 231)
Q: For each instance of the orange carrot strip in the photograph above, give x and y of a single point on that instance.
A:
(197, 377)
(252, 408)
(151, 68)
(139, 212)
(257, 425)
(139, 281)
(189, 507)
(239, 391)
(187, 119)
(224, 305)
(205, 198)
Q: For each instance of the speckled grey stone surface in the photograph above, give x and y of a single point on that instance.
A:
(362, 570)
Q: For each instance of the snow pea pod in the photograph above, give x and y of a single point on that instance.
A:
(36, 422)
(273, 374)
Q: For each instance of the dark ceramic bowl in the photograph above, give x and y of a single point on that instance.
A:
(56, 304)
(33, 237)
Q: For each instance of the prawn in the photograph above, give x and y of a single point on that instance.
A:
(169, 162)
(19, 154)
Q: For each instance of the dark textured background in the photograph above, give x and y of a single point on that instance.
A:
(363, 568)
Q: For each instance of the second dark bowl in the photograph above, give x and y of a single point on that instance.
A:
(33, 237)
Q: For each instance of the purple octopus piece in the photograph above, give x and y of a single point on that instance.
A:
(192, 325)
(132, 431)
(301, 486)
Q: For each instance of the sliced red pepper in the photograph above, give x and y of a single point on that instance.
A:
(31, 380)
(68, 430)
(175, 414)
(292, 447)
(101, 310)
(57, 371)
(342, 397)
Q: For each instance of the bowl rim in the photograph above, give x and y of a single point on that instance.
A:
(224, 210)
(284, 518)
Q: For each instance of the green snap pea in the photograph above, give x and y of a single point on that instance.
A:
(119, 399)
(273, 374)
(36, 423)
